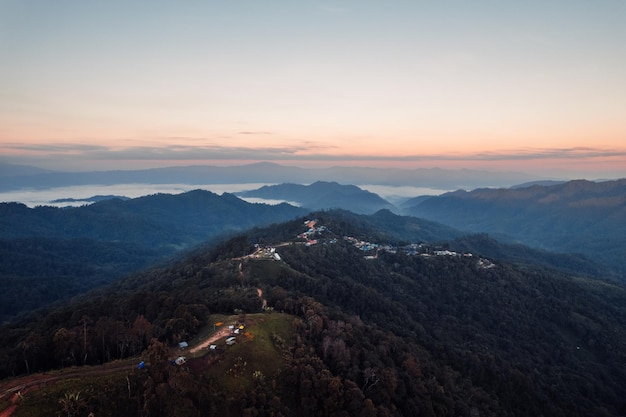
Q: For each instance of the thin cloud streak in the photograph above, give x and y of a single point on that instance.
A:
(54, 148)
(306, 151)
(552, 153)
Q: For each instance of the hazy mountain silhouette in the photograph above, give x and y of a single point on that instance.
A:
(92, 199)
(576, 216)
(13, 170)
(264, 172)
(546, 183)
(323, 195)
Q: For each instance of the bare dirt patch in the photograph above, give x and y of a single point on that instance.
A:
(211, 340)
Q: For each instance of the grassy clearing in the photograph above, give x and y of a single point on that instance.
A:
(257, 351)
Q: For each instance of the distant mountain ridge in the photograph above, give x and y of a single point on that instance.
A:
(265, 172)
(92, 199)
(13, 170)
(545, 183)
(323, 195)
(577, 216)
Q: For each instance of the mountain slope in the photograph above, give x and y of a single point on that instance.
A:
(520, 254)
(398, 334)
(35, 272)
(155, 221)
(577, 216)
(49, 254)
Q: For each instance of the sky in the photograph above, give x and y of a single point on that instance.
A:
(529, 86)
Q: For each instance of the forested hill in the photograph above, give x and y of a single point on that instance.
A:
(571, 263)
(323, 195)
(383, 226)
(49, 254)
(576, 216)
(159, 220)
(384, 329)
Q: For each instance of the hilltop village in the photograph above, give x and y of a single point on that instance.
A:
(317, 234)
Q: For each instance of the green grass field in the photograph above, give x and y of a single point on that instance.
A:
(256, 349)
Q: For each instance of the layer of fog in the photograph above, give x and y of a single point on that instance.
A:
(47, 197)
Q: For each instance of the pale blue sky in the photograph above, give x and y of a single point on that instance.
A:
(463, 83)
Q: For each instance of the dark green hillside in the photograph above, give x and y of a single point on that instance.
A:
(532, 339)
(408, 228)
(49, 254)
(381, 226)
(520, 254)
(376, 330)
(38, 271)
(387, 227)
(157, 221)
(574, 217)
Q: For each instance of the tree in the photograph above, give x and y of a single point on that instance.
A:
(85, 320)
(29, 347)
(158, 358)
(141, 332)
(64, 345)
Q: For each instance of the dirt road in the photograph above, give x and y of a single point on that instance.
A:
(212, 339)
(16, 387)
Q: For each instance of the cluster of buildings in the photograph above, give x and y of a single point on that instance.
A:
(369, 247)
(268, 252)
(314, 233)
(372, 250)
